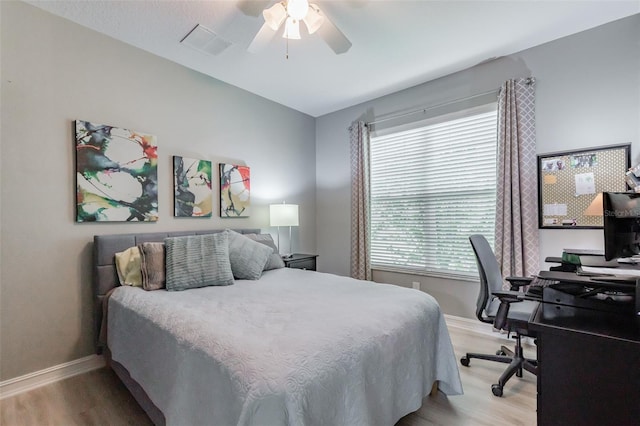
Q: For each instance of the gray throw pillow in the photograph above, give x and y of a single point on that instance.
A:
(198, 261)
(247, 257)
(275, 260)
(152, 265)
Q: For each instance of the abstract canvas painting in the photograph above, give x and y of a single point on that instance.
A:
(193, 196)
(116, 174)
(234, 191)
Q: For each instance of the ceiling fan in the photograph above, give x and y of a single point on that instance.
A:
(291, 12)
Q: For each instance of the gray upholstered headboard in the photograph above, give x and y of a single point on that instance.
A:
(105, 247)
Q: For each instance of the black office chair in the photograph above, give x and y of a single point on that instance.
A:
(506, 310)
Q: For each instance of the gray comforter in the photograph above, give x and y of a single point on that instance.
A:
(293, 348)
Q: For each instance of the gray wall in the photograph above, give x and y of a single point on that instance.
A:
(53, 72)
(587, 95)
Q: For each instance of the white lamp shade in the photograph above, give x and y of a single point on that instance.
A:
(283, 215)
(314, 19)
(291, 29)
(595, 208)
(275, 15)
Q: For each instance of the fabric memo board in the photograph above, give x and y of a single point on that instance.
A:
(569, 182)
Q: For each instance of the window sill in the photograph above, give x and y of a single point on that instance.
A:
(434, 274)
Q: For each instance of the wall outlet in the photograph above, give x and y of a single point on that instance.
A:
(416, 285)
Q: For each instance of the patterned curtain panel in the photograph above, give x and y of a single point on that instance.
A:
(516, 243)
(360, 187)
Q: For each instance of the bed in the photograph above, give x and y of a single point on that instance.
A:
(294, 347)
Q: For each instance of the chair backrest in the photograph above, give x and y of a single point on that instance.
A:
(490, 274)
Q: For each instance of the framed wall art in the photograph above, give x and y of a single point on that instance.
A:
(116, 174)
(571, 183)
(192, 190)
(235, 191)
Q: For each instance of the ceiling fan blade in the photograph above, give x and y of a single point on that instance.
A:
(261, 39)
(336, 40)
(253, 7)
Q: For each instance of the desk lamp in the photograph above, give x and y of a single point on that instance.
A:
(595, 208)
(283, 215)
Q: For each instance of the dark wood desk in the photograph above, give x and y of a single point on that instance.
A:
(601, 281)
(589, 366)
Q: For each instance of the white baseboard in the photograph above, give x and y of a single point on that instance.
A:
(49, 375)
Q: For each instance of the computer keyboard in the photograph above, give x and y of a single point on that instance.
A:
(536, 286)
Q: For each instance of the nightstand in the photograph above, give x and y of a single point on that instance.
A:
(301, 261)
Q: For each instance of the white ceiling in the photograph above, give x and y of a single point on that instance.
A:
(396, 44)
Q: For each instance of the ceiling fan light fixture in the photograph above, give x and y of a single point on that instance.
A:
(291, 29)
(314, 19)
(297, 9)
(275, 15)
(291, 12)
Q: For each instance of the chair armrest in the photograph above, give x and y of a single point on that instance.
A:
(509, 296)
(517, 282)
(506, 299)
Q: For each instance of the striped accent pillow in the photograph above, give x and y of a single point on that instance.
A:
(197, 261)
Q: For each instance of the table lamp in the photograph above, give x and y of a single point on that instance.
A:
(283, 215)
(595, 208)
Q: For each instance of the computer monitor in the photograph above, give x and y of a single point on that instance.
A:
(621, 224)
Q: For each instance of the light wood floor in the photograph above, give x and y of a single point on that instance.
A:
(98, 397)
(478, 406)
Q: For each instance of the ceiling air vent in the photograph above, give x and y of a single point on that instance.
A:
(205, 40)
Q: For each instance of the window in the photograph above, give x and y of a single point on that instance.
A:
(432, 186)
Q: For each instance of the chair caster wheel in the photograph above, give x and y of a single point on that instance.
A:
(497, 390)
(464, 361)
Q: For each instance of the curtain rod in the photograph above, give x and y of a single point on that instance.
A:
(424, 110)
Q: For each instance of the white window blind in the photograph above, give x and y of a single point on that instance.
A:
(431, 188)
